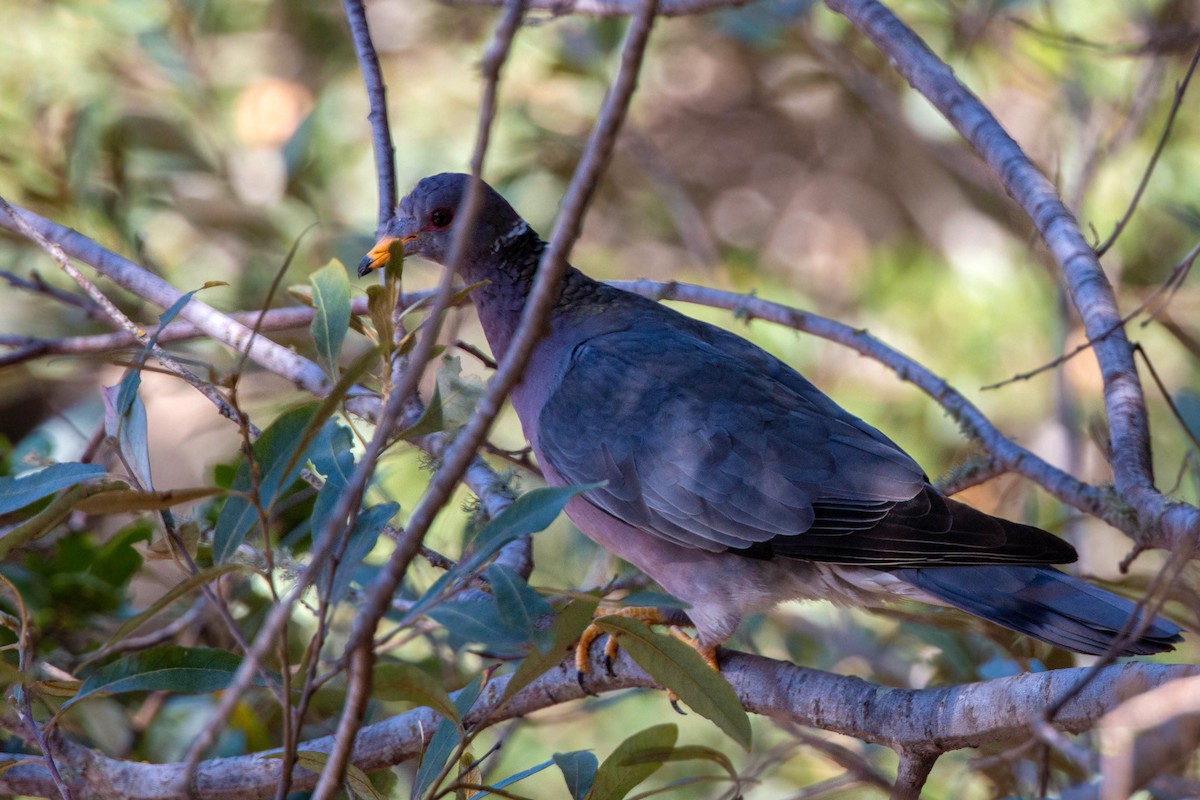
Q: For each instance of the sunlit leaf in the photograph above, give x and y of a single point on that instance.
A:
(129, 500)
(53, 515)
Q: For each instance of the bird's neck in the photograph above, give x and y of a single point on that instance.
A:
(509, 271)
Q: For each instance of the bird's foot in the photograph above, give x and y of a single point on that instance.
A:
(651, 616)
(646, 614)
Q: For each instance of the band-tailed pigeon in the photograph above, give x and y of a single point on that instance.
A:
(727, 477)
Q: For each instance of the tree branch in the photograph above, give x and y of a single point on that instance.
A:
(1161, 522)
(951, 718)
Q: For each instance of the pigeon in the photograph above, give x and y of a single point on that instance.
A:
(726, 476)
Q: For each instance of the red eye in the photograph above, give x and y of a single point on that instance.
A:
(440, 217)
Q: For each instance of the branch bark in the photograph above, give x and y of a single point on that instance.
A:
(993, 712)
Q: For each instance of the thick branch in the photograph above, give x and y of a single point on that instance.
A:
(951, 718)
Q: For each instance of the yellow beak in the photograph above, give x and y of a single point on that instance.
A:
(381, 254)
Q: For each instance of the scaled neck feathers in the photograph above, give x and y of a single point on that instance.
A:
(509, 268)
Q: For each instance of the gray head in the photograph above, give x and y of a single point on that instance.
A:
(424, 223)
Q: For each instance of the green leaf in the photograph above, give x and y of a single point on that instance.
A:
(445, 740)
(511, 779)
(578, 770)
(617, 776)
(519, 606)
(49, 517)
(125, 423)
(478, 620)
(409, 683)
(198, 670)
(459, 393)
(279, 465)
(680, 668)
(568, 627)
(19, 492)
(529, 513)
(367, 527)
(357, 781)
(331, 299)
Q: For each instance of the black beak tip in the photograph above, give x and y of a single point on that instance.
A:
(364, 267)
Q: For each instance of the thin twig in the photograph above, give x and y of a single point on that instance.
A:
(381, 133)
(359, 644)
(1180, 91)
(1168, 287)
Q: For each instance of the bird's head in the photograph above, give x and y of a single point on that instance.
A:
(425, 219)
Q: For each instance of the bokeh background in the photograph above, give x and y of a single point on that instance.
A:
(770, 150)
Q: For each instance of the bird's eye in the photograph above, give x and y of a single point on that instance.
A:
(440, 217)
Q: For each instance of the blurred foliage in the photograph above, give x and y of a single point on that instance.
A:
(770, 149)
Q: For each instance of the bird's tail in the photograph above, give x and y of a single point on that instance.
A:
(1046, 604)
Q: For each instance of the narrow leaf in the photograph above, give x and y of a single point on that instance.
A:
(49, 517)
(279, 464)
(445, 740)
(616, 776)
(409, 683)
(361, 541)
(578, 770)
(570, 624)
(19, 492)
(477, 620)
(529, 513)
(184, 670)
(331, 299)
(511, 779)
(126, 500)
(680, 668)
(519, 606)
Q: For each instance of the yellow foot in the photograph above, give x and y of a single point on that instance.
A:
(650, 616)
(646, 614)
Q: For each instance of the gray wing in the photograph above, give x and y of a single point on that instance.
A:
(711, 451)
(707, 441)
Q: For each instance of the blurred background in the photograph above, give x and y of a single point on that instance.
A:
(770, 149)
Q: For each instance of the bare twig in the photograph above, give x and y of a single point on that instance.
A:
(1168, 287)
(381, 134)
(1180, 91)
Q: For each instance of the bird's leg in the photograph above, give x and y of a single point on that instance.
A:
(707, 651)
(647, 614)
